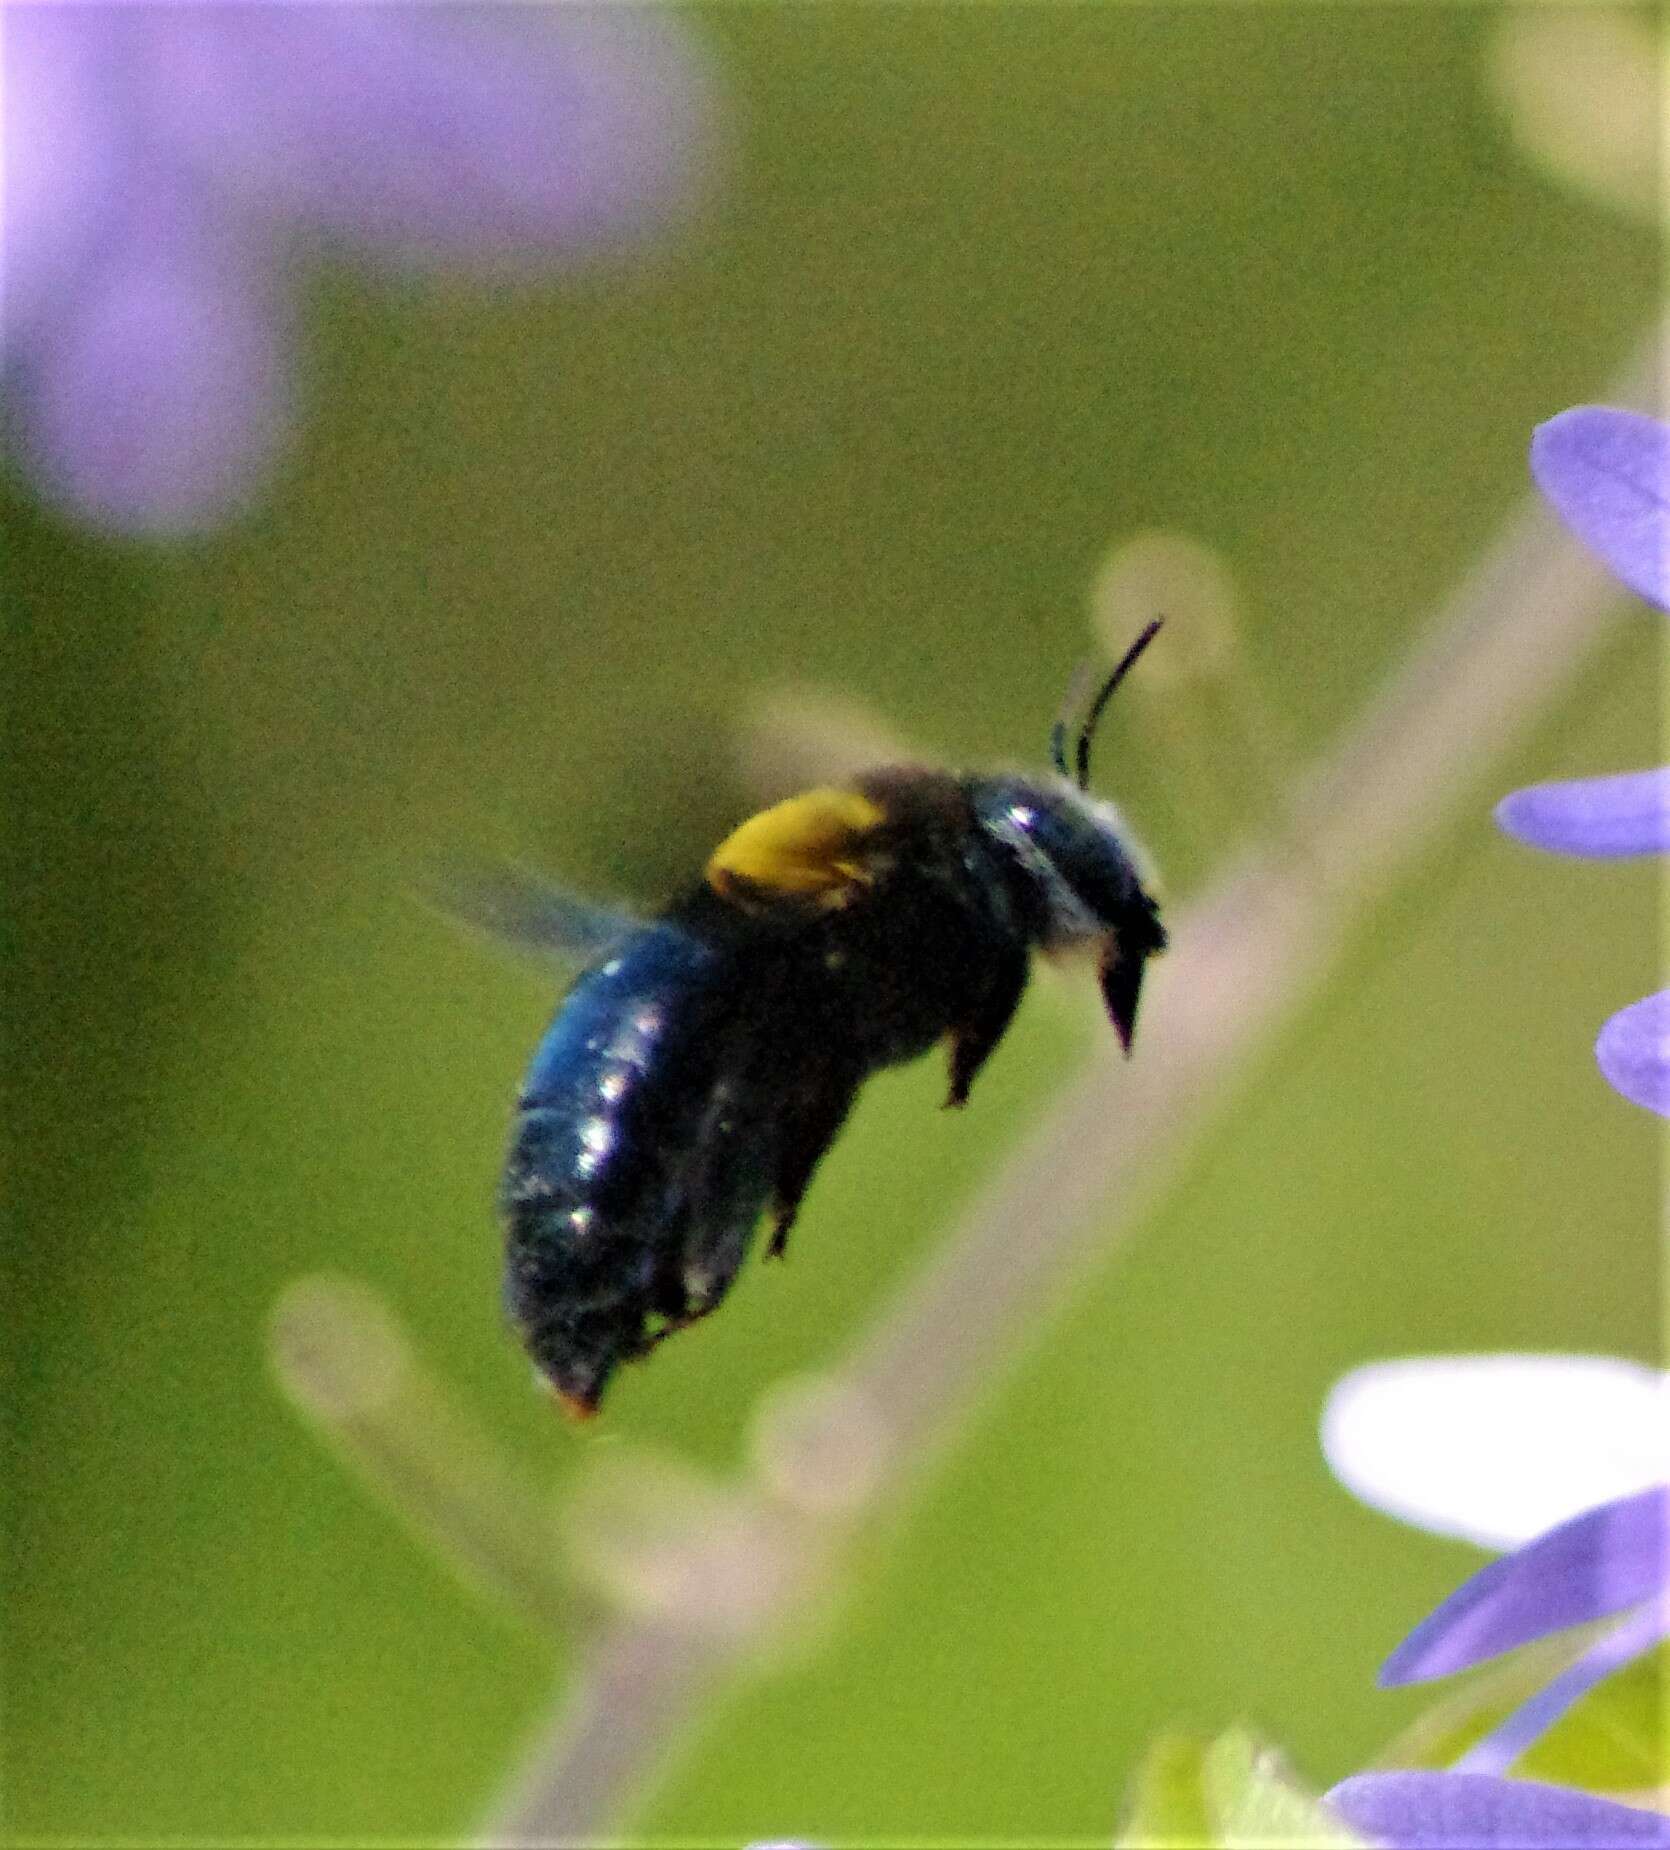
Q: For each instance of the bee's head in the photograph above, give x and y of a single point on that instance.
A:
(1072, 864)
(1076, 878)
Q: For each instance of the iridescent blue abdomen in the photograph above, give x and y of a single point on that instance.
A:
(622, 1096)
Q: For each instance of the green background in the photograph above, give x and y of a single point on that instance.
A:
(978, 292)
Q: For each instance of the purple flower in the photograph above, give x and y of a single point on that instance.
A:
(1609, 1563)
(1607, 474)
(1473, 1811)
(1473, 1445)
(163, 164)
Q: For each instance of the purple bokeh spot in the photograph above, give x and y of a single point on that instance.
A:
(59, 159)
(162, 395)
(165, 166)
(478, 135)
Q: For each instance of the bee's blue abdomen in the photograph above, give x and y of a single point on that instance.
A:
(599, 1081)
(618, 1013)
(604, 1117)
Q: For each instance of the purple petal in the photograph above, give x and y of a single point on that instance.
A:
(1607, 474)
(1633, 1053)
(1472, 1811)
(475, 133)
(1599, 1563)
(1510, 1738)
(1596, 816)
(160, 394)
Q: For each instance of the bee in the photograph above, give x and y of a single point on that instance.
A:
(698, 1070)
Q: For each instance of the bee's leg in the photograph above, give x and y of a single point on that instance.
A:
(698, 1272)
(783, 1217)
(724, 1185)
(809, 1128)
(715, 1247)
(974, 1038)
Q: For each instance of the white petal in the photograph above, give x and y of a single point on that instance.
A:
(1496, 1448)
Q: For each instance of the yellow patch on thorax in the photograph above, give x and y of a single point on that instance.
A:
(811, 846)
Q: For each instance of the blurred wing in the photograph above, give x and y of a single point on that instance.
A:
(520, 909)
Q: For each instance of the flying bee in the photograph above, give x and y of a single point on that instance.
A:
(699, 1068)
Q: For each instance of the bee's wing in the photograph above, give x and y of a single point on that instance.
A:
(519, 908)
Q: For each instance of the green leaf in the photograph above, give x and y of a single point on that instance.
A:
(1166, 1809)
(1253, 1801)
(1232, 1795)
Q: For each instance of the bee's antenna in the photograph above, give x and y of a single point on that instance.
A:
(1072, 702)
(1087, 730)
(1058, 746)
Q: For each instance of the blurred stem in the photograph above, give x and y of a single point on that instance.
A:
(1244, 956)
(343, 1360)
(628, 1704)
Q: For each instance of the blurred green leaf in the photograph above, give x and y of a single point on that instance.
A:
(1253, 1800)
(1234, 1793)
(1167, 1801)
